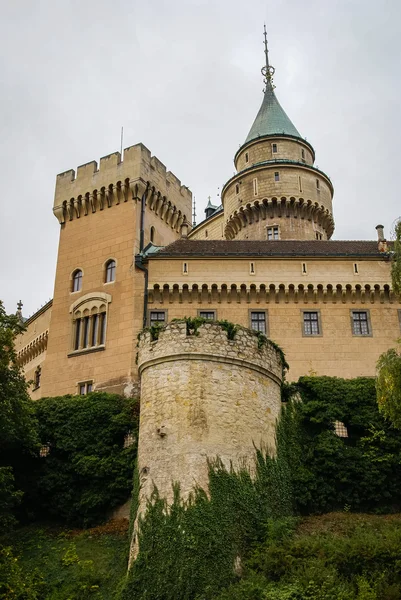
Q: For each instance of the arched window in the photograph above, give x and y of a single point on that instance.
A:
(77, 281)
(110, 271)
(152, 234)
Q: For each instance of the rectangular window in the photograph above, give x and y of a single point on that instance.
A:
(210, 315)
(185, 267)
(304, 269)
(303, 155)
(77, 333)
(311, 323)
(255, 187)
(252, 268)
(317, 184)
(258, 321)
(300, 184)
(85, 387)
(86, 333)
(95, 329)
(360, 322)
(102, 328)
(274, 148)
(273, 233)
(356, 269)
(246, 157)
(157, 316)
(276, 176)
(237, 188)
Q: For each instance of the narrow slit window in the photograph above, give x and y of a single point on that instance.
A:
(246, 157)
(152, 234)
(255, 187)
(300, 184)
(85, 343)
(237, 188)
(95, 329)
(276, 176)
(303, 155)
(356, 269)
(185, 268)
(304, 269)
(77, 334)
(317, 184)
(252, 268)
(102, 328)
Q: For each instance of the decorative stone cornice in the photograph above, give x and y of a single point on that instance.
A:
(33, 349)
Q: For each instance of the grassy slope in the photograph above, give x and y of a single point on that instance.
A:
(75, 564)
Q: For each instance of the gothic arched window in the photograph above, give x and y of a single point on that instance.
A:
(110, 271)
(77, 281)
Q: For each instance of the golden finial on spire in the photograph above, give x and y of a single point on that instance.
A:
(267, 71)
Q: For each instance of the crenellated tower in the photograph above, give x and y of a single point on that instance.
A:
(277, 192)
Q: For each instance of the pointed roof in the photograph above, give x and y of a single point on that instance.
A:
(271, 118)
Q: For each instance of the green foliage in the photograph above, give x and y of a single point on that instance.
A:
(388, 385)
(396, 260)
(230, 328)
(189, 550)
(15, 584)
(87, 471)
(362, 472)
(18, 437)
(9, 499)
(64, 565)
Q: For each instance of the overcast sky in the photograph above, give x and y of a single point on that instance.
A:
(183, 77)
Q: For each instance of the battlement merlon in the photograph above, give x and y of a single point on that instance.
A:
(113, 174)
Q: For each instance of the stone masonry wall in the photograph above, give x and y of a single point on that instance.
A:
(203, 396)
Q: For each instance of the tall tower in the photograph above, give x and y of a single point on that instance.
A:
(277, 192)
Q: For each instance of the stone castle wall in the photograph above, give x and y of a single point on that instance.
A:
(203, 396)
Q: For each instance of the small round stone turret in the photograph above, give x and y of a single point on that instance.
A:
(202, 396)
(277, 192)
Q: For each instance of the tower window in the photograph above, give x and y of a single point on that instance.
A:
(252, 268)
(303, 155)
(300, 184)
(77, 281)
(317, 184)
(311, 324)
(274, 148)
(110, 271)
(237, 188)
(152, 234)
(356, 271)
(258, 320)
(273, 233)
(185, 268)
(304, 269)
(246, 157)
(360, 322)
(206, 233)
(276, 176)
(255, 187)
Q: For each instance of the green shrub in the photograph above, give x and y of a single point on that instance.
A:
(87, 471)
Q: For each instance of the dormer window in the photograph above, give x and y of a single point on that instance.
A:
(274, 148)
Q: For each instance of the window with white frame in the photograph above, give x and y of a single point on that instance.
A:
(273, 232)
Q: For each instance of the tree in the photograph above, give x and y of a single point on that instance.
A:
(396, 263)
(388, 385)
(18, 433)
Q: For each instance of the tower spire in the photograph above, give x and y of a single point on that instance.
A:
(267, 71)
(194, 213)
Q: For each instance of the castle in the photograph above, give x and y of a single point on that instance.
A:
(129, 259)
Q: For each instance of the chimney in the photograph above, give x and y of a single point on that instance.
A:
(380, 233)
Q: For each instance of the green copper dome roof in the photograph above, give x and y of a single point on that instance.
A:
(271, 118)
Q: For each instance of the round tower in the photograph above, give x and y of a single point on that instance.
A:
(277, 192)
